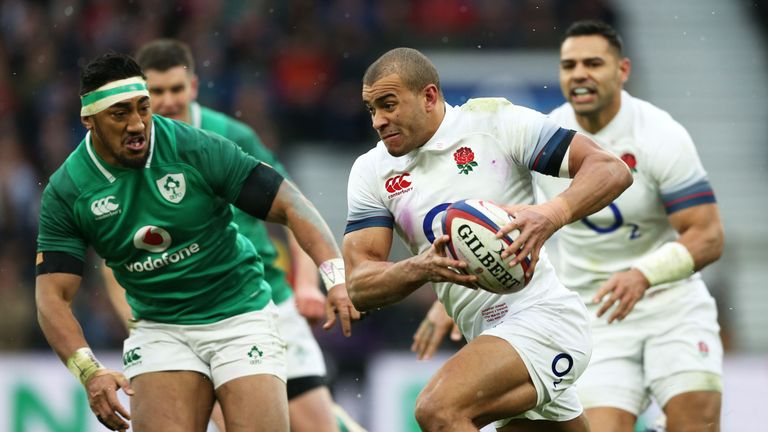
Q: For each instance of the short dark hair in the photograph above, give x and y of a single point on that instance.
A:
(414, 69)
(595, 27)
(164, 54)
(106, 68)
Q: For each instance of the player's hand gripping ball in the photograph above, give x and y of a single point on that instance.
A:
(472, 226)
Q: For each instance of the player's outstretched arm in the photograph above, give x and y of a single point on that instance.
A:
(310, 301)
(375, 282)
(598, 178)
(292, 209)
(700, 243)
(53, 294)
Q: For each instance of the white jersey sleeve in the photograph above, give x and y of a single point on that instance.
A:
(525, 126)
(365, 207)
(678, 172)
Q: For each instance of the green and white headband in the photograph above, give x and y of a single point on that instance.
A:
(111, 93)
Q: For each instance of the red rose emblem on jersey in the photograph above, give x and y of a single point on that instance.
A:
(465, 160)
(630, 160)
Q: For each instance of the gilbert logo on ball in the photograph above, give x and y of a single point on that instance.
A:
(472, 227)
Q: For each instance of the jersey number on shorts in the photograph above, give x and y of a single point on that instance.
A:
(561, 365)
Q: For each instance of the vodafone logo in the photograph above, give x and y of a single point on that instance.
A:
(397, 183)
(151, 238)
(105, 207)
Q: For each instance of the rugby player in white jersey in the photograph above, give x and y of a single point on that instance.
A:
(636, 262)
(526, 349)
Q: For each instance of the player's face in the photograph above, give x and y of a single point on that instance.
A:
(120, 133)
(172, 91)
(591, 74)
(399, 115)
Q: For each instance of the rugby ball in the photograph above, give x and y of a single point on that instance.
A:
(472, 227)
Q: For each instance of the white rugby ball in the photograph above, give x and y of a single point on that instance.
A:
(472, 227)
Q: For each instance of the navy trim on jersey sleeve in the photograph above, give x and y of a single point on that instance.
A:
(259, 190)
(59, 262)
(550, 157)
(375, 221)
(698, 193)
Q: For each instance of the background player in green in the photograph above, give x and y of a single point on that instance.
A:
(149, 195)
(170, 70)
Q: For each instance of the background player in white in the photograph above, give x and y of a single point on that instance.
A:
(172, 85)
(635, 263)
(526, 348)
(148, 194)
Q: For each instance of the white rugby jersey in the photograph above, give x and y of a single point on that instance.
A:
(484, 149)
(668, 177)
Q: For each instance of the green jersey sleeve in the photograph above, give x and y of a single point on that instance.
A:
(58, 231)
(222, 164)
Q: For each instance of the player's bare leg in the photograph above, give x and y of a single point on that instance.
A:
(313, 411)
(178, 401)
(254, 403)
(579, 424)
(469, 391)
(609, 419)
(694, 411)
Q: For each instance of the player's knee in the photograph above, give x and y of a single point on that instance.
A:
(432, 412)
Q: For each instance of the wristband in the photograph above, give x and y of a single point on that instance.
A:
(83, 364)
(671, 262)
(332, 272)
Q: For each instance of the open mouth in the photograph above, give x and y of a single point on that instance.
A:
(136, 143)
(583, 94)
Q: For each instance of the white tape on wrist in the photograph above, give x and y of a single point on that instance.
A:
(671, 262)
(332, 272)
(83, 364)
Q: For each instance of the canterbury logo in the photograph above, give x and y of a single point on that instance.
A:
(397, 183)
(104, 206)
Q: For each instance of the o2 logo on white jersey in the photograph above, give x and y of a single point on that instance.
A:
(105, 207)
(151, 238)
(618, 222)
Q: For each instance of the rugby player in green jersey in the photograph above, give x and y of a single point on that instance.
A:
(170, 70)
(152, 197)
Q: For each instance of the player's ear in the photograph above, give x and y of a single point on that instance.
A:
(625, 67)
(431, 97)
(87, 122)
(194, 84)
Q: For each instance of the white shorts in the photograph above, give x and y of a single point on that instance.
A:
(304, 357)
(246, 344)
(553, 339)
(669, 344)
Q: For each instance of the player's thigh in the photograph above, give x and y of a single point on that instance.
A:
(486, 380)
(608, 419)
(552, 338)
(254, 403)
(578, 424)
(178, 401)
(686, 354)
(694, 411)
(312, 411)
(615, 378)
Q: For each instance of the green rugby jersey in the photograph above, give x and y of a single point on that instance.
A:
(165, 230)
(249, 226)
